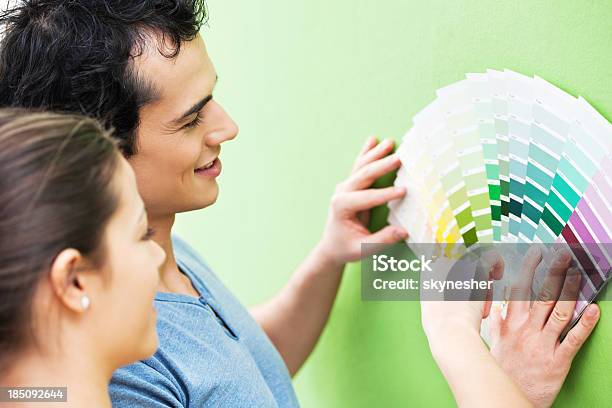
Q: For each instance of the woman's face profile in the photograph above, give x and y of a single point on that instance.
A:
(121, 308)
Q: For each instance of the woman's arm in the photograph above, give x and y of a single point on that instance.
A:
(474, 377)
(453, 333)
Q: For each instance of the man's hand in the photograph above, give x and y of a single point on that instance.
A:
(526, 343)
(349, 213)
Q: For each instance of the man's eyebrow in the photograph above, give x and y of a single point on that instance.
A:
(196, 107)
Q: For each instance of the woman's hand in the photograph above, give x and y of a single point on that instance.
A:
(452, 329)
(443, 319)
(349, 214)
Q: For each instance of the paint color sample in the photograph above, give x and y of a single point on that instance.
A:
(501, 157)
(459, 118)
(499, 101)
(589, 227)
(520, 118)
(447, 166)
(553, 113)
(588, 142)
(479, 89)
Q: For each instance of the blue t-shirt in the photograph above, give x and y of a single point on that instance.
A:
(211, 352)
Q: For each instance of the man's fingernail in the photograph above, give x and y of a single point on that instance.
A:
(573, 276)
(400, 190)
(400, 234)
(592, 311)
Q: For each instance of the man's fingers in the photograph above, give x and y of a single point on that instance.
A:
(373, 153)
(578, 334)
(349, 203)
(518, 306)
(366, 175)
(388, 235)
(563, 309)
(551, 288)
(369, 143)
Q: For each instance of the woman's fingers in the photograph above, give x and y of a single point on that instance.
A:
(372, 152)
(518, 306)
(563, 309)
(578, 334)
(551, 288)
(495, 322)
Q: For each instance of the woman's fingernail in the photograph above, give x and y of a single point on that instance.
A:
(534, 251)
(388, 142)
(400, 190)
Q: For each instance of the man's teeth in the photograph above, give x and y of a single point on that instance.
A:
(209, 165)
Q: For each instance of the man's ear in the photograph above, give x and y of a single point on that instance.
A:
(67, 283)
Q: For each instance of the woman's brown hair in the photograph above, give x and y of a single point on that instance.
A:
(55, 193)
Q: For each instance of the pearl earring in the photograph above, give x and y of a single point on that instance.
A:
(85, 302)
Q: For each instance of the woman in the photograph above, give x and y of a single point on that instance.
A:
(78, 271)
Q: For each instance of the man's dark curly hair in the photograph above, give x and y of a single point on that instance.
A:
(76, 55)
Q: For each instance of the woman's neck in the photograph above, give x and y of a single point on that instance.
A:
(85, 379)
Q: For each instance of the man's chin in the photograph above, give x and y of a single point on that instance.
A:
(208, 198)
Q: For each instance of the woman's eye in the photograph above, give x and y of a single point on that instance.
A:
(149, 234)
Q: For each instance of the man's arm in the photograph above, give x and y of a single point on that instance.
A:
(296, 316)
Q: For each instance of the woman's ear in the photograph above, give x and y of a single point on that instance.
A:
(67, 281)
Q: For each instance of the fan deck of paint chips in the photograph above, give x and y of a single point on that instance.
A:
(502, 157)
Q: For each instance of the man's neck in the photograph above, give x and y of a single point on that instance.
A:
(171, 279)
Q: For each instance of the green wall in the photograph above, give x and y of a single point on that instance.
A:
(307, 81)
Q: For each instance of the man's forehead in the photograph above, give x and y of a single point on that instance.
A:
(156, 64)
(178, 82)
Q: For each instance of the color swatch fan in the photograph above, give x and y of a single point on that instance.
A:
(502, 157)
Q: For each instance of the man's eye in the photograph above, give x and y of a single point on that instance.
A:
(195, 122)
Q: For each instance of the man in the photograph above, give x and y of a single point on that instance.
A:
(142, 67)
